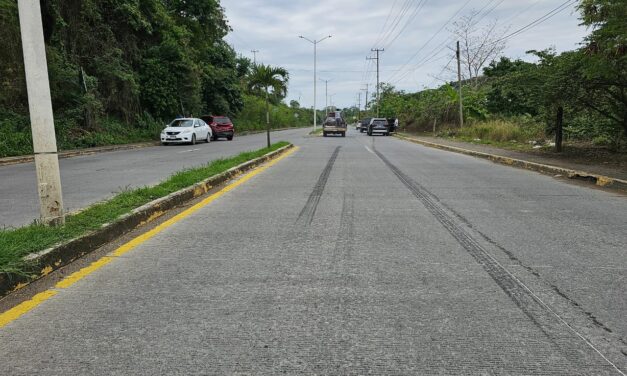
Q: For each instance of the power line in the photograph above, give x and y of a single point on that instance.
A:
(433, 36)
(490, 4)
(538, 21)
(385, 23)
(563, 6)
(404, 8)
(420, 5)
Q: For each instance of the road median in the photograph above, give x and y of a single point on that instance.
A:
(596, 179)
(5, 161)
(31, 252)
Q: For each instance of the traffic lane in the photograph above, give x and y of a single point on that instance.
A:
(369, 283)
(573, 237)
(91, 178)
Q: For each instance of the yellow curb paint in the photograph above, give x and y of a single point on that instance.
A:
(77, 276)
(17, 311)
(20, 309)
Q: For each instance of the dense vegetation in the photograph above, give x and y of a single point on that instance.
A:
(515, 100)
(119, 69)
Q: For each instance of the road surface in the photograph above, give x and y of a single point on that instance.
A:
(356, 255)
(92, 178)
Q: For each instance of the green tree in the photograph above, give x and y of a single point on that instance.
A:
(603, 63)
(268, 80)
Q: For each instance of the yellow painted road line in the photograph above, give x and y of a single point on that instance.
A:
(17, 311)
(77, 276)
(20, 309)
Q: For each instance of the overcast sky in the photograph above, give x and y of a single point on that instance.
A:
(357, 26)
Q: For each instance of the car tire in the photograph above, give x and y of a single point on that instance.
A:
(193, 141)
(343, 134)
(324, 134)
(208, 140)
(230, 138)
(165, 144)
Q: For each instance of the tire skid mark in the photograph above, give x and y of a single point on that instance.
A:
(344, 242)
(557, 330)
(309, 210)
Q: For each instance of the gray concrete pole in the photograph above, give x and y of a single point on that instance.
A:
(459, 83)
(315, 43)
(40, 106)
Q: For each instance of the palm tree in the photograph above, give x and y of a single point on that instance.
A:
(266, 79)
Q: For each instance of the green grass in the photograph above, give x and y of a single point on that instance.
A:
(506, 134)
(17, 243)
(317, 131)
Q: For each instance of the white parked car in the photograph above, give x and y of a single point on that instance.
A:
(186, 131)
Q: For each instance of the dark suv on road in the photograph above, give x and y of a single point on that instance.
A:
(363, 125)
(221, 126)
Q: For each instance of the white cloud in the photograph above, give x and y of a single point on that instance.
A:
(273, 27)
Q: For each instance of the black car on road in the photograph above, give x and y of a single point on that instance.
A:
(363, 125)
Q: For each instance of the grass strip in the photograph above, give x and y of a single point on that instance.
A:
(17, 243)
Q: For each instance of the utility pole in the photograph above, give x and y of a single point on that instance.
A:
(459, 84)
(359, 105)
(377, 50)
(254, 56)
(326, 96)
(41, 117)
(315, 80)
(366, 90)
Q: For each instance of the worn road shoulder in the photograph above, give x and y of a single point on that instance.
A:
(596, 179)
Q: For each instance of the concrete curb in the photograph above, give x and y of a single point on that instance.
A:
(48, 260)
(74, 153)
(599, 180)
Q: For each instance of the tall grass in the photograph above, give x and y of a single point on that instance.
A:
(503, 131)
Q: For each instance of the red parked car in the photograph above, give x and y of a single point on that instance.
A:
(221, 126)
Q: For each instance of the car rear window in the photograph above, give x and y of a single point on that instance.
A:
(222, 120)
(380, 122)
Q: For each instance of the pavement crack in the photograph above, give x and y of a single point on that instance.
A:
(556, 329)
(309, 210)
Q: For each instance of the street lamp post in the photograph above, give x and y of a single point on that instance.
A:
(315, 44)
(326, 95)
(331, 101)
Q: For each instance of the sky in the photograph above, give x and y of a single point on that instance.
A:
(415, 34)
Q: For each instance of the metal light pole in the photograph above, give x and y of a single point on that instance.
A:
(326, 95)
(254, 56)
(41, 117)
(331, 97)
(315, 79)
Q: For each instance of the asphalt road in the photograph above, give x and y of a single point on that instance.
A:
(92, 178)
(355, 255)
